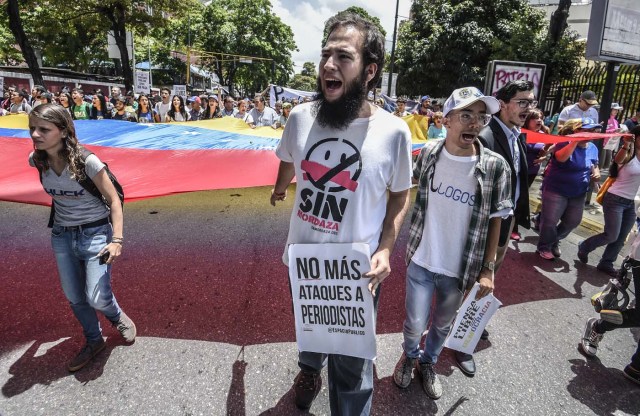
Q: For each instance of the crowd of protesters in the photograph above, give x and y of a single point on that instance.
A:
(162, 107)
(479, 138)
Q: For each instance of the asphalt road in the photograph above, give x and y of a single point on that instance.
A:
(201, 276)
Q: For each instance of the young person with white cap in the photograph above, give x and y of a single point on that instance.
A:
(464, 190)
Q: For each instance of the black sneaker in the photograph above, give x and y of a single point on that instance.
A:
(583, 256)
(430, 382)
(591, 339)
(85, 355)
(632, 374)
(126, 327)
(306, 387)
(608, 270)
(403, 371)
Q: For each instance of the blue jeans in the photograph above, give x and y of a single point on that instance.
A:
(422, 287)
(350, 378)
(85, 282)
(558, 208)
(619, 215)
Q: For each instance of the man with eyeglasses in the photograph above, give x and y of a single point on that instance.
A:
(464, 190)
(503, 136)
(263, 115)
(584, 108)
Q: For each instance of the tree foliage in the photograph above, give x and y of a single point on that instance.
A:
(247, 28)
(306, 79)
(448, 43)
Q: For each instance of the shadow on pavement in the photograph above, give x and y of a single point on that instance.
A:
(604, 390)
(41, 364)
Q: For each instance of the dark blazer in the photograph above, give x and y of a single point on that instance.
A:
(492, 137)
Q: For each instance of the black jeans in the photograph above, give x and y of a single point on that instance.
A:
(630, 317)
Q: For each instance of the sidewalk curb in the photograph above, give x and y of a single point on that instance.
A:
(587, 223)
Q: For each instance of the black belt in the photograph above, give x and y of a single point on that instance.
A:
(97, 223)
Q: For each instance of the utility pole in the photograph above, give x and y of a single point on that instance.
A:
(393, 49)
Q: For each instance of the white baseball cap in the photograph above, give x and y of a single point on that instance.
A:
(464, 97)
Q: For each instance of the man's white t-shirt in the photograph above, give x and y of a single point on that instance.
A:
(446, 223)
(162, 109)
(266, 118)
(343, 176)
(574, 111)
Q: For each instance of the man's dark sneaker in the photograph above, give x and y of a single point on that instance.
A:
(632, 374)
(485, 335)
(85, 355)
(126, 327)
(306, 387)
(608, 270)
(430, 382)
(403, 371)
(583, 256)
(555, 250)
(466, 363)
(591, 339)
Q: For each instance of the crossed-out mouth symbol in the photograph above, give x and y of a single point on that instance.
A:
(319, 174)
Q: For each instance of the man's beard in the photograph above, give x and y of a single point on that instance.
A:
(340, 113)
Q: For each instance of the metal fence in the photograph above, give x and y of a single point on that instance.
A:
(626, 92)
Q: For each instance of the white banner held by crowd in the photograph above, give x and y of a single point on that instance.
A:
(277, 93)
(472, 317)
(332, 304)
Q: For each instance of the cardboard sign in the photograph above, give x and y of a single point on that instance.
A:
(180, 90)
(332, 305)
(142, 82)
(472, 317)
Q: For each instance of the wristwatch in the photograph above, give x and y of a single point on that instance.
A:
(491, 265)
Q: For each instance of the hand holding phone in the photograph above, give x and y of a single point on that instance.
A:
(104, 257)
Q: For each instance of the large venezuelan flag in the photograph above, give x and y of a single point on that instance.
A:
(160, 159)
(152, 159)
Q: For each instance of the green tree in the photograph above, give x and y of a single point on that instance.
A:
(14, 20)
(306, 79)
(362, 12)
(247, 28)
(448, 43)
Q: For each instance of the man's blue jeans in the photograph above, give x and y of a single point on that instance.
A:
(423, 287)
(619, 215)
(350, 378)
(85, 282)
(556, 207)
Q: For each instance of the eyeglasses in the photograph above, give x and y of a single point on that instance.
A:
(468, 118)
(527, 103)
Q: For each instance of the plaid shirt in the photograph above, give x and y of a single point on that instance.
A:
(493, 193)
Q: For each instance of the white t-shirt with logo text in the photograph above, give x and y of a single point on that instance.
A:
(343, 176)
(446, 223)
(74, 204)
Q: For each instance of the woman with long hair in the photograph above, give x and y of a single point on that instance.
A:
(87, 231)
(145, 113)
(618, 206)
(66, 101)
(99, 108)
(177, 112)
(572, 170)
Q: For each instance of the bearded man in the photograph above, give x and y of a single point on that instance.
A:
(362, 162)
